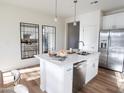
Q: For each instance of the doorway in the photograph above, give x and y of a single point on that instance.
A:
(73, 35)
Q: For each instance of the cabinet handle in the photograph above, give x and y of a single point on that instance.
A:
(77, 65)
(93, 65)
(69, 69)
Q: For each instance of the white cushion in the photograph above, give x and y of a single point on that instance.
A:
(21, 89)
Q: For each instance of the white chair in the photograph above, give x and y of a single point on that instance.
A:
(18, 88)
(16, 75)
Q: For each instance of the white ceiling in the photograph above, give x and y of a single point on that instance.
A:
(65, 7)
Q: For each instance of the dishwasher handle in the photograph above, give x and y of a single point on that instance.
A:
(78, 65)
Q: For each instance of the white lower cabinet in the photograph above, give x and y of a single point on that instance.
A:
(59, 78)
(68, 79)
(92, 68)
(54, 78)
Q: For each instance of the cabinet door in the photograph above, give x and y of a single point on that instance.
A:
(68, 79)
(92, 69)
(91, 38)
(54, 78)
(109, 22)
(119, 20)
(42, 75)
(89, 73)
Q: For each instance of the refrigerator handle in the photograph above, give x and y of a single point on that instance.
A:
(109, 40)
(109, 43)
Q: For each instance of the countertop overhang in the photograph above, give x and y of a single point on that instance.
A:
(70, 59)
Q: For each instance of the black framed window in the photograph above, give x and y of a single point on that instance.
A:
(29, 36)
(48, 38)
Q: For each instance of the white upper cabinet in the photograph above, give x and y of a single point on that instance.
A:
(89, 30)
(91, 35)
(108, 22)
(113, 21)
(119, 18)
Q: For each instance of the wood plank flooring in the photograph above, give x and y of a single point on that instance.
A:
(106, 81)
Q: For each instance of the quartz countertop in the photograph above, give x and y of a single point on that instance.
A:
(70, 59)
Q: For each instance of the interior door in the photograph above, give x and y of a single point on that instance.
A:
(103, 48)
(116, 50)
(73, 35)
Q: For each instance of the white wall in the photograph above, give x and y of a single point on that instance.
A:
(10, 17)
(89, 29)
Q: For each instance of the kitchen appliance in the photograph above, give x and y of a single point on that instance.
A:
(79, 74)
(111, 46)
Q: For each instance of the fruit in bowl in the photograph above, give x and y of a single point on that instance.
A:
(62, 53)
(51, 54)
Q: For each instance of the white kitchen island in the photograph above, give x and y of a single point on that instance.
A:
(57, 76)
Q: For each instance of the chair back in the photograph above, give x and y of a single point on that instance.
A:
(16, 75)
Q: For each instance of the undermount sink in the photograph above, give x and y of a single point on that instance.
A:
(83, 53)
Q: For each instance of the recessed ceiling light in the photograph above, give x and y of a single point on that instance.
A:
(94, 2)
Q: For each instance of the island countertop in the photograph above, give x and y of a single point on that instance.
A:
(70, 59)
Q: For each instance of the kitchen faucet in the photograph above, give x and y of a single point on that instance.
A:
(82, 43)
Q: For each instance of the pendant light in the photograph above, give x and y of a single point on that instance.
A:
(75, 12)
(56, 17)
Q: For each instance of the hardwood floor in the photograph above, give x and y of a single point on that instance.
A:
(105, 82)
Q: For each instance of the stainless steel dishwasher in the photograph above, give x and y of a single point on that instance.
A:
(79, 76)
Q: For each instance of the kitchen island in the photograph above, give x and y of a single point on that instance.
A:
(57, 76)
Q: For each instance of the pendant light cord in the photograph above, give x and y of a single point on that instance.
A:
(56, 8)
(75, 11)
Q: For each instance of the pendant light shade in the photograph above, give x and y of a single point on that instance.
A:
(56, 16)
(75, 23)
(56, 19)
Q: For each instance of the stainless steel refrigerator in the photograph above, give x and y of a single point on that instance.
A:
(111, 46)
